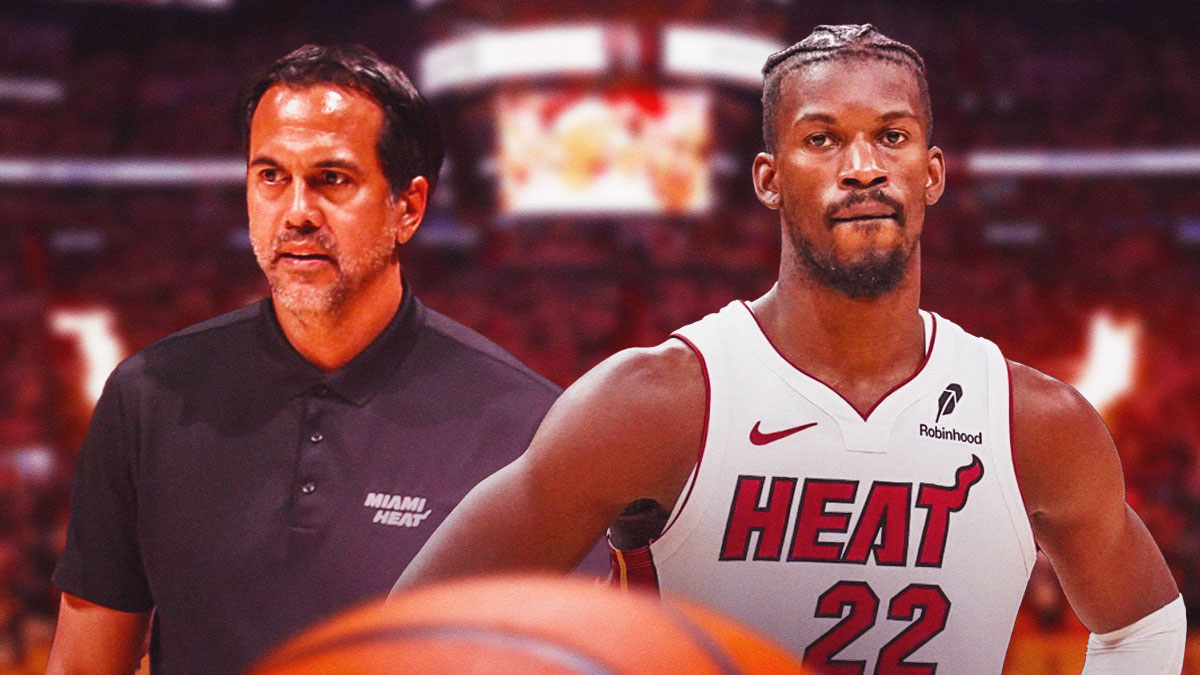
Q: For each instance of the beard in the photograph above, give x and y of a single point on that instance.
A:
(872, 277)
(299, 294)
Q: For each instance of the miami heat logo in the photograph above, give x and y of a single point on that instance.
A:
(882, 530)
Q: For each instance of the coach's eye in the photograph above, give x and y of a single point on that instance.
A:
(332, 178)
(270, 175)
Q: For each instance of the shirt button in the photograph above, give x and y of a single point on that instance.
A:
(316, 437)
(321, 391)
(308, 488)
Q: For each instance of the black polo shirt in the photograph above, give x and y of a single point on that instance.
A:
(243, 493)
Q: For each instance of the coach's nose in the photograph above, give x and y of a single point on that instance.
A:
(302, 211)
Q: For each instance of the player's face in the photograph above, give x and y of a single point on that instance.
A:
(323, 222)
(852, 172)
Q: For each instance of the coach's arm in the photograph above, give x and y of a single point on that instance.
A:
(94, 639)
(629, 429)
(1112, 572)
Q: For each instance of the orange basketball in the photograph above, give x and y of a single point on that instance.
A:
(528, 625)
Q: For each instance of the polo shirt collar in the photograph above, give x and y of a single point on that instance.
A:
(357, 381)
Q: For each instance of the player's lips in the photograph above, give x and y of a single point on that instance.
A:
(864, 212)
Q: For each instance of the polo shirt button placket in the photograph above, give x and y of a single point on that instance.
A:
(309, 487)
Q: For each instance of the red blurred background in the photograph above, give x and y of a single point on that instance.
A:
(597, 196)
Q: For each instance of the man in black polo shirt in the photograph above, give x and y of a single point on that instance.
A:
(259, 471)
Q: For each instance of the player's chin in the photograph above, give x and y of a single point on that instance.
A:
(860, 248)
(867, 228)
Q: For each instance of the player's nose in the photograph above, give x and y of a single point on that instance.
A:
(861, 167)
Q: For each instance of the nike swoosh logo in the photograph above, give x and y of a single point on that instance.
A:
(759, 438)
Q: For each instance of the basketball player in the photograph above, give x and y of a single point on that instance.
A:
(859, 478)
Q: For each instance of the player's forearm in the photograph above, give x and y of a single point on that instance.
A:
(497, 528)
(1152, 645)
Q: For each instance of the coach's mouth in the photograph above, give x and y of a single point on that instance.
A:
(304, 258)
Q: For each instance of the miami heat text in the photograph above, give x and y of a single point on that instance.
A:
(882, 530)
(397, 510)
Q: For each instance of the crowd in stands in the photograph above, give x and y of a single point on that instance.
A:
(1024, 262)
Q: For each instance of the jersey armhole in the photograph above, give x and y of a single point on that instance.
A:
(633, 569)
(1017, 514)
(677, 509)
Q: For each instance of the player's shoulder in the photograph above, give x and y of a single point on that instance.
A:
(665, 372)
(637, 394)
(1060, 444)
(640, 415)
(1039, 400)
(449, 340)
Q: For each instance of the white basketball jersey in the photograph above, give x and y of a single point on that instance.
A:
(894, 543)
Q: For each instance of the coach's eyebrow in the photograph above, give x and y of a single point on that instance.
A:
(338, 164)
(263, 160)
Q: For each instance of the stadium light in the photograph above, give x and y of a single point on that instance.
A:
(1108, 367)
(133, 171)
(719, 54)
(33, 90)
(1057, 163)
(94, 330)
(165, 171)
(491, 55)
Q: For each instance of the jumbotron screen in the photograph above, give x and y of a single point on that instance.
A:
(626, 151)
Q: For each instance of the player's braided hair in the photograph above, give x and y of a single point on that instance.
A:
(410, 141)
(826, 43)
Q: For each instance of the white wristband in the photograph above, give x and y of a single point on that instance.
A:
(1152, 645)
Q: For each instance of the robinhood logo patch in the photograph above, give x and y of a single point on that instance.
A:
(947, 402)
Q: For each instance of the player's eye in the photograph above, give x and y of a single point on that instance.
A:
(893, 137)
(819, 140)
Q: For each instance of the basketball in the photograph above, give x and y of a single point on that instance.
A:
(536, 625)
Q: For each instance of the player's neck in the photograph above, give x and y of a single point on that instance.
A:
(332, 339)
(860, 348)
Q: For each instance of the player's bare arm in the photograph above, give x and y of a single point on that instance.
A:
(91, 638)
(1070, 475)
(628, 430)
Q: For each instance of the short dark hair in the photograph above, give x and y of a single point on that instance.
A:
(827, 43)
(410, 140)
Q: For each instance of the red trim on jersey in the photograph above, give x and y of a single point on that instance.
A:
(1012, 446)
(633, 569)
(703, 434)
(928, 354)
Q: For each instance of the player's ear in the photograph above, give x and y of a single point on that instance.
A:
(408, 208)
(763, 174)
(935, 182)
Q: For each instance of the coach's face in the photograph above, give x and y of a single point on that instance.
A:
(323, 220)
(852, 171)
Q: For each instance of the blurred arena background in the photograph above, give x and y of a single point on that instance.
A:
(597, 195)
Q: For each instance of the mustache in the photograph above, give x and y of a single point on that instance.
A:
(321, 238)
(876, 195)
